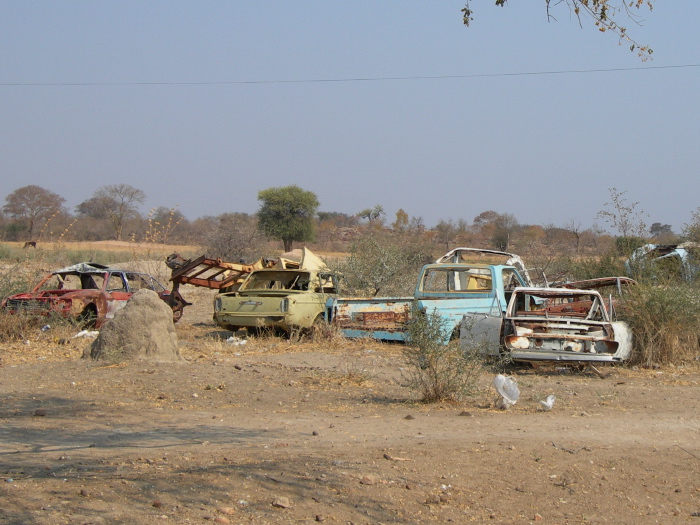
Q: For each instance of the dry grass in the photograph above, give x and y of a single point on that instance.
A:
(109, 246)
(665, 324)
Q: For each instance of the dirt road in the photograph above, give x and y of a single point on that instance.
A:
(268, 432)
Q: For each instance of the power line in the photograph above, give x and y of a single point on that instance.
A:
(355, 79)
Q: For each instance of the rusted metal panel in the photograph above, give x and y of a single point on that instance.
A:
(210, 273)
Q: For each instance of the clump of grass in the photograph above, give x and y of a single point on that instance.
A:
(15, 327)
(14, 279)
(19, 325)
(665, 323)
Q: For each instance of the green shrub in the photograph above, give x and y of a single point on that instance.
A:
(607, 265)
(626, 245)
(665, 323)
(381, 264)
(437, 371)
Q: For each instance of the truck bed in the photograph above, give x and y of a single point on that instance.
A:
(376, 317)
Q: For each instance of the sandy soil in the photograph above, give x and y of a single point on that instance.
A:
(269, 432)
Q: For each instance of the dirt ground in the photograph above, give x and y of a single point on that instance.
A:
(270, 432)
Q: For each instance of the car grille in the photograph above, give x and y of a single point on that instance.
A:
(28, 305)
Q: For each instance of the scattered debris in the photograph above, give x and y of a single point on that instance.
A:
(508, 391)
(547, 403)
(394, 458)
(684, 450)
(369, 479)
(570, 451)
(86, 333)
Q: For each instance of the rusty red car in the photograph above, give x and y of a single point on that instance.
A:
(88, 292)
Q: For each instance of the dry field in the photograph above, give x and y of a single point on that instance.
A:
(270, 432)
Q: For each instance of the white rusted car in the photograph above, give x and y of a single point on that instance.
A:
(551, 324)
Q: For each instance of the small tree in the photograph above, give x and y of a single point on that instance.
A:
(32, 204)
(400, 225)
(163, 222)
(691, 230)
(623, 216)
(287, 214)
(574, 228)
(498, 228)
(375, 215)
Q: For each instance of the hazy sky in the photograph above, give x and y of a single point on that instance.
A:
(202, 104)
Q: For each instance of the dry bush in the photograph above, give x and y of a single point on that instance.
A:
(439, 371)
(665, 323)
(16, 327)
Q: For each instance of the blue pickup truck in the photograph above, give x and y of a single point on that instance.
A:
(465, 280)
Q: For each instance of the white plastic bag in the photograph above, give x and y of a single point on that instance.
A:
(508, 391)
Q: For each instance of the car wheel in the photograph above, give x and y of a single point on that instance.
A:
(320, 329)
(88, 317)
(296, 334)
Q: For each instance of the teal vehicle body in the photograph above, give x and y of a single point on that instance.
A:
(448, 289)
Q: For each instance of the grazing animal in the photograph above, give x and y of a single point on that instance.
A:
(29, 244)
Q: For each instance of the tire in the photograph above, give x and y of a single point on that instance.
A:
(320, 329)
(296, 334)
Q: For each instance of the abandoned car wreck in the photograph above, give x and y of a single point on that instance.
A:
(285, 299)
(88, 292)
(552, 324)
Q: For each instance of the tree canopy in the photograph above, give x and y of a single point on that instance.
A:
(117, 203)
(287, 213)
(33, 204)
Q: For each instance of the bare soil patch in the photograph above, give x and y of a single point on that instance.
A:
(271, 432)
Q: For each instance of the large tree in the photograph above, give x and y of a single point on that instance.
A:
(497, 227)
(232, 236)
(287, 213)
(605, 15)
(117, 203)
(33, 204)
